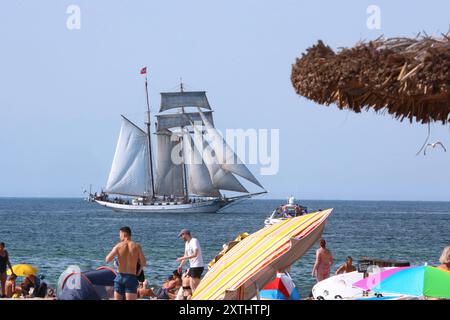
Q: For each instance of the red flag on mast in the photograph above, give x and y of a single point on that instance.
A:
(144, 70)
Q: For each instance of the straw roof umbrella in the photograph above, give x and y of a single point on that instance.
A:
(405, 77)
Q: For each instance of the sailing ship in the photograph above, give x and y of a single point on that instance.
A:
(191, 183)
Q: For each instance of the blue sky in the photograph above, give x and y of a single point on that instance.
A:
(62, 91)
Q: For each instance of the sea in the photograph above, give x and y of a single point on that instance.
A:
(53, 234)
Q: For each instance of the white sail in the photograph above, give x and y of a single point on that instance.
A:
(199, 180)
(169, 175)
(178, 120)
(226, 157)
(221, 179)
(130, 174)
(170, 100)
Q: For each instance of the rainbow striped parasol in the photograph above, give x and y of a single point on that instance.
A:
(414, 281)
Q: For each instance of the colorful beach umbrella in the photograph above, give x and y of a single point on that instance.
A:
(23, 270)
(413, 281)
(281, 288)
(255, 261)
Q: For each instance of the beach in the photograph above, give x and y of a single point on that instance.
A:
(53, 234)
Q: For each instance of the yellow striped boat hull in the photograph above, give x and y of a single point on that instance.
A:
(254, 261)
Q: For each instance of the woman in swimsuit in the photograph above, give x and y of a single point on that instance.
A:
(324, 261)
(4, 264)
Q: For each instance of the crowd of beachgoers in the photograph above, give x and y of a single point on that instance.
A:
(130, 283)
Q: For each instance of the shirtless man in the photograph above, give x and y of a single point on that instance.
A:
(129, 254)
(324, 261)
(346, 267)
(143, 291)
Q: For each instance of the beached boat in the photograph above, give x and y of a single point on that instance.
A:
(189, 176)
(286, 211)
(255, 260)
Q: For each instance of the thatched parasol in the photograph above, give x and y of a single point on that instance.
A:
(408, 78)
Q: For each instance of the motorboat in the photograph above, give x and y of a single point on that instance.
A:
(286, 211)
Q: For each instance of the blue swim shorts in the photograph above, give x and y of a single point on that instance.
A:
(125, 283)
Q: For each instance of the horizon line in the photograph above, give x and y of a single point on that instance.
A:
(273, 199)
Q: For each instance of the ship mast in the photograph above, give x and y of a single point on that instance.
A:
(186, 194)
(148, 124)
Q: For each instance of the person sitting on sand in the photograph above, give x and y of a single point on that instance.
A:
(51, 293)
(169, 289)
(445, 259)
(346, 267)
(30, 281)
(144, 292)
(324, 261)
(10, 286)
(129, 254)
(41, 290)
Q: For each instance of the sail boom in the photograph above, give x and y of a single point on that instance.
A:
(248, 195)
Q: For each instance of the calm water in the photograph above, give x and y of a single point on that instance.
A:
(55, 233)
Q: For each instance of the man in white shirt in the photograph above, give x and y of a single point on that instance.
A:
(193, 253)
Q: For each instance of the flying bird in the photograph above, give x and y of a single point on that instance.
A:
(433, 145)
